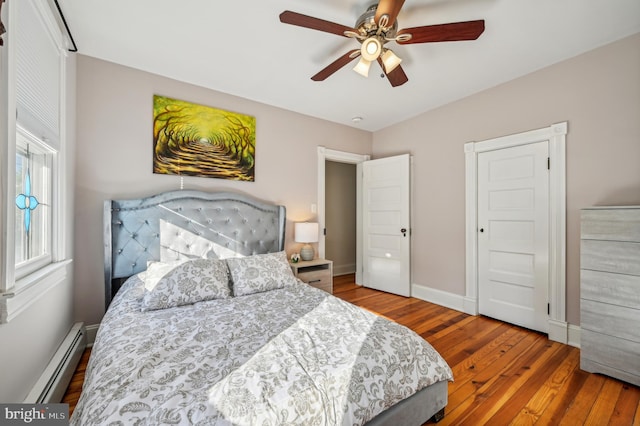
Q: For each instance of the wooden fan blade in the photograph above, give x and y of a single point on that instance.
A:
(335, 65)
(390, 8)
(397, 77)
(294, 18)
(456, 31)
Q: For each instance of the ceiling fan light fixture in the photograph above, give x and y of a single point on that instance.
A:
(390, 60)
(376, 27)
(371, 49)
(362, 67)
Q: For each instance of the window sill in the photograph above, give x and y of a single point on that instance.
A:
(31, 288)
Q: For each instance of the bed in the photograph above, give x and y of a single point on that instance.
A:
(206, 324)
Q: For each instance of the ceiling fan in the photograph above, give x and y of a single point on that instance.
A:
(376, 27)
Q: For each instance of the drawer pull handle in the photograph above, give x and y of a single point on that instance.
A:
(314, 281)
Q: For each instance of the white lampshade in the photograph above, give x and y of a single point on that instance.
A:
(306, 232)
(362, 67)
(390, 61)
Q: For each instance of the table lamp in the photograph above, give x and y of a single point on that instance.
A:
(306, 232)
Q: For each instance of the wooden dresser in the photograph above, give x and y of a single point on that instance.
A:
(610, 292)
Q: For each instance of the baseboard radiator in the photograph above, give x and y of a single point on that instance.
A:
(53, 382)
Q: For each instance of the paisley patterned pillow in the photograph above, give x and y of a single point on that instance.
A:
(155, 271)
(258, 273)
(188, 282)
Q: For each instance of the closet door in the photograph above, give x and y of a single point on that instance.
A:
(513, 239)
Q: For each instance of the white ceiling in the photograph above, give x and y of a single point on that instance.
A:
(240, 47)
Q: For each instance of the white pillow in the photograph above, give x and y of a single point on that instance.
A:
(185, 283)
(259, 273)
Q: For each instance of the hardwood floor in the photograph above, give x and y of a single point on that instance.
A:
(503, 374)
(72, 393)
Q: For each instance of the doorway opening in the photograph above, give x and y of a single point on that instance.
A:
(325, 155)
(340, 216)
(382, 234)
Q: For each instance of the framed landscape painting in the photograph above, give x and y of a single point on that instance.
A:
(197, 140)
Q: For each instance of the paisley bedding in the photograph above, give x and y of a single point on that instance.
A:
(289, 355)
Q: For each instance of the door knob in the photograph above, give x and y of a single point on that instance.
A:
(404, 232)
(481, 229)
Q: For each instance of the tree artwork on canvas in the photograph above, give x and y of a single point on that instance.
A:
(197, 140)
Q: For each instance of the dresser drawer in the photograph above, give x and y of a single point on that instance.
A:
(610, 256)
(316, 278)
(613, 224)
(308, 276)
(592, 366)
(607, 287)
(616, 321)
(603, 350)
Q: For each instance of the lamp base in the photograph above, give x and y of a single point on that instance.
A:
(306, 252)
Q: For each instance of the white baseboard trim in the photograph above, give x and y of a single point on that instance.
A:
(91, 331)
(470, 306)
(439, 297)
(559, 331)
(55, 378)
(574, 336)
(563, 332)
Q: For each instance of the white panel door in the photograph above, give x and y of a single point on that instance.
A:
(386, 246)
(513, 239)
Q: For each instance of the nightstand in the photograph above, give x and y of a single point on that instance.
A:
(317, 273)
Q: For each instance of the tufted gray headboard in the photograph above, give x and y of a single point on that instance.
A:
(178, 224)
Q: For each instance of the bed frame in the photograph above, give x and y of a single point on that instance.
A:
(178, 224)
(185, 224)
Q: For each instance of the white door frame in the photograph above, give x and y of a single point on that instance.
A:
(325, 154)
(556, 136)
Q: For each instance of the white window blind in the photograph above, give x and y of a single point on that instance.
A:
(38, 72)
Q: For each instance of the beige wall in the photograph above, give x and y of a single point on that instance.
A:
(340, 216)
(598, 93)
(114, 158)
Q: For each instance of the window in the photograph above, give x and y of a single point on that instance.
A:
(35, 252)
(33, 201)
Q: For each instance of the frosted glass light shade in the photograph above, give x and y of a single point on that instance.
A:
(362, 67)
(371, 49)
(390, 61)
